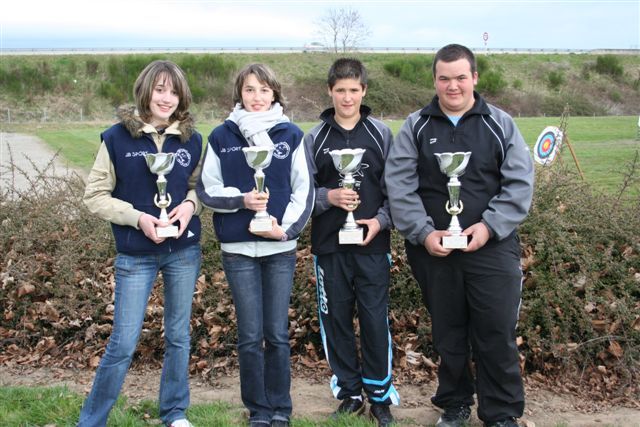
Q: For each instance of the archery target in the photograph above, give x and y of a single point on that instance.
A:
(547, 145)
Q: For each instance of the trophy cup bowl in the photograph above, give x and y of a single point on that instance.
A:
(161, 164)
(259, 158)
(453, 165)
(347, 161)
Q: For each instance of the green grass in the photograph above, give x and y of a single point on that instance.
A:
(48, 406)
(603, 145)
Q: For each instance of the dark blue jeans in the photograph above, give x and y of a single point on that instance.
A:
(261, 289)
(135, 276)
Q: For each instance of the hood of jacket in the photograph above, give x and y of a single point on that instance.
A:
(129, 117)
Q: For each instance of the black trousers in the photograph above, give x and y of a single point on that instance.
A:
(473, 299)
(346, 281)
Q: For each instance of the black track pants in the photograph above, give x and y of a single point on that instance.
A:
(345, 282)
(474, 299)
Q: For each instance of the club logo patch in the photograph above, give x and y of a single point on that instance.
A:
(281, 150)
(183, 157)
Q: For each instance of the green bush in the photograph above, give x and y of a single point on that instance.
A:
(609, 65)
(491, 83)
(91, 67)
(581, 293)
(415, 70)
(615, 96)
(555, 79)
(28, 80)
(122, 72)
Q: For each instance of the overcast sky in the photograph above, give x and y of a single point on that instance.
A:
(560, 24)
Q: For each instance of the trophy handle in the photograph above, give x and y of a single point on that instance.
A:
(159, 203)
(454, 211)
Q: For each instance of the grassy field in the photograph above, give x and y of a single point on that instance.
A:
(604, 146)
(58, 406)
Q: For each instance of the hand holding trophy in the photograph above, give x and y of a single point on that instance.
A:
(347, 161)
(259, 158)
(453, 165)
(161, 164)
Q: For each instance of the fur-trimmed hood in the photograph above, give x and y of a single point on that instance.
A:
(134, 123)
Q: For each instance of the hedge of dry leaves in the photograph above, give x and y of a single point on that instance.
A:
(579, 326)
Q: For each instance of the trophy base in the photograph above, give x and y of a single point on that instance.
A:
(168, 231)
(454, 242)
(350, 237)
(260, 224)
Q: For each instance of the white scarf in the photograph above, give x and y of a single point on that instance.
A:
(254, 125)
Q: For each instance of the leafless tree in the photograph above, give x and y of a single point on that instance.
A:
(342, 29)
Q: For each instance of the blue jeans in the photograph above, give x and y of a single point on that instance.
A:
(261, 289)
(135, 276)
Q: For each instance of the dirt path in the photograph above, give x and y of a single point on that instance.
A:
(22, 156)
(314, 400)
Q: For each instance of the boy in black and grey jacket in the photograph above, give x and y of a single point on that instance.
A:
(350, 274)
(472, 294)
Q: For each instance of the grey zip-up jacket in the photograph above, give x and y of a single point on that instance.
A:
(497, 185)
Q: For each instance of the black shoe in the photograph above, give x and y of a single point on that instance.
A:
(350, 406)
(457, 416)
(508, 422)
(279, 423)
(382, 415)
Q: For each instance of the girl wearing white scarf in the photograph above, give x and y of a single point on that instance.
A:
(259, 266)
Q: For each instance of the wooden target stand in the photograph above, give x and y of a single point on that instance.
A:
(550, 142)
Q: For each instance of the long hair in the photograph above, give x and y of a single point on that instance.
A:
(159, 72)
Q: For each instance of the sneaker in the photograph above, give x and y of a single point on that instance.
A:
(382, 415)
(279, 423)
(457, 416)
(508, 422)
(350, 406)
(182, 422)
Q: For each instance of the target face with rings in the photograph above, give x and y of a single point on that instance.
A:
(547, 145)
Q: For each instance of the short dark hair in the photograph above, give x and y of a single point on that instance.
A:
(160, 71)
(265, 75)
(453, 52)
(347, 68)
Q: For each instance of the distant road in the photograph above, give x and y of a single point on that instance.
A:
(314, 49)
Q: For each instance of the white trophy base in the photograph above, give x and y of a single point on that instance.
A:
(167, 231)
(261, 224)
(454, 242)
(350, 237)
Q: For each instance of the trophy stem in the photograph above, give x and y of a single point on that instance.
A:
(350, 223)
(454, 226)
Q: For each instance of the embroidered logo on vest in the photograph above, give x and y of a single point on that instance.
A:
(281, 150)
(183, 157)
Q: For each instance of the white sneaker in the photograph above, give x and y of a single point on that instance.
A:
(182, 422)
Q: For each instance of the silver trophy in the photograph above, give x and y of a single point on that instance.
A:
(259, 158)
(161, 164)
(453, 165)
(347, 161)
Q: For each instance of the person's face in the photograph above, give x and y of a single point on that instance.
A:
(164, 101)
(454, 85)
(256, 96)
(347, 95)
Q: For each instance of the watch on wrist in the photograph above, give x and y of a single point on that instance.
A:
(284, 237)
